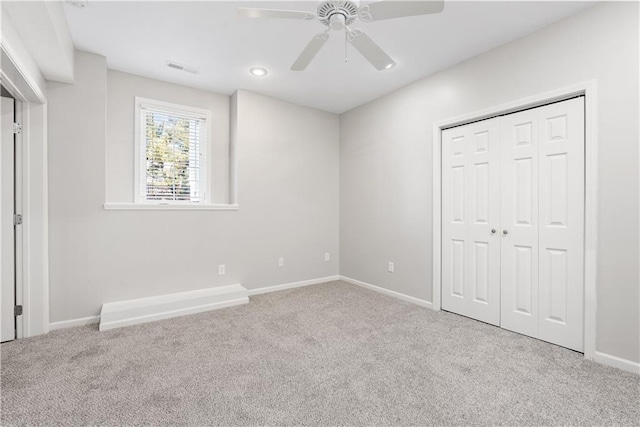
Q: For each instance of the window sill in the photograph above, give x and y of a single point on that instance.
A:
(167, 207)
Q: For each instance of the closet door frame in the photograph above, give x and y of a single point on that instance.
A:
(588, 89)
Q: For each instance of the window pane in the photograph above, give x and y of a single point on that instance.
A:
(173, 157)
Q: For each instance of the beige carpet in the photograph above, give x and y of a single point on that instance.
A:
(331, 354)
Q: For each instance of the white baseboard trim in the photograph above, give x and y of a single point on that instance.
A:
(617, 362)
(143, 310)
(414, 300)
(82, 321)
(292, 285)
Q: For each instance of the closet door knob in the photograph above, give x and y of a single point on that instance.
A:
(493, 231)
(505, 232)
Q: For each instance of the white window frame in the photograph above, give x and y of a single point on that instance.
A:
(140, 150)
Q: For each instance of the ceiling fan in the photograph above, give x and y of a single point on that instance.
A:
(338, 15)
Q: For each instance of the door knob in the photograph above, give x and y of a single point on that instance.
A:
(493, 231)
(505, 232)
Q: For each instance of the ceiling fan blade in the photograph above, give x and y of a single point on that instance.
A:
(399, 9)
(247, 12)
(370, 50)
(310, 51)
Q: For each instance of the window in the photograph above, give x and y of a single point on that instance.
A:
(171, 146)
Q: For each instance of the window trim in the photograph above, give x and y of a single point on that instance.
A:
(139, 158)
(116, 206)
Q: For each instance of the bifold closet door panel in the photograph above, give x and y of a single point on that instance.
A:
(470, 211)
(519, 222)
(561, 227)
(542, 256)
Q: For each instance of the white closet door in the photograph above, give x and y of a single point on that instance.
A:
(561, 228)
(542, 260)
(519, 214)
(470, 211)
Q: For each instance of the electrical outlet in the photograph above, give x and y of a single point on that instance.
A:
(221, 270)
(327, 257)
(281, 262)
(391, 267)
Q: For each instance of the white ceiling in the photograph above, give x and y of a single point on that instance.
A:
(139, 37)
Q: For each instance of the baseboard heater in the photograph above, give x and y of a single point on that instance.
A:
(143, 310)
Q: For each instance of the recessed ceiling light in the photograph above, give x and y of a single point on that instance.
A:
(258, 71)
(389, 65)
(80, 4)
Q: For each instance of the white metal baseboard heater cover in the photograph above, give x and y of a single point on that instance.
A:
(143, 310)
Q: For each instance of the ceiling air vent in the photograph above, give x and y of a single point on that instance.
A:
(186, 68)
(80, 4)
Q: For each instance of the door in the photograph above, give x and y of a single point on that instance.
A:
(542, 263)
(7, 230)
(519, 228)
(513, 222)
(561, 224)
(470, 220)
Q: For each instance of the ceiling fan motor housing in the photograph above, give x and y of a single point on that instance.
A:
(337, 14)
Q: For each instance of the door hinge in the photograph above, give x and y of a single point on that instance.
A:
(17, 219)
(17, 128)
(17, 310)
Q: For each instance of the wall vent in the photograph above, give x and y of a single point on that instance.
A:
(181, 67)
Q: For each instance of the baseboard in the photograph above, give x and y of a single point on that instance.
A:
(82, 321)
(292, 285)
(143, 310)
(398, 295)
(617, 362)
(198, 309)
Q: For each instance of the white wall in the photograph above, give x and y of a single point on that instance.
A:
(386, 158)
(80, 271)
(287, 159)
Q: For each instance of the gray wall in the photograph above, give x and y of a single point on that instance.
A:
(386, 158)
(287, 159)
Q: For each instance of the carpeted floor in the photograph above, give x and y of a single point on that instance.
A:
(330, 354)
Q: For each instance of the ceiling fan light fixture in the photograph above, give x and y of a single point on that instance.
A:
(337, 21)
(258, 71)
